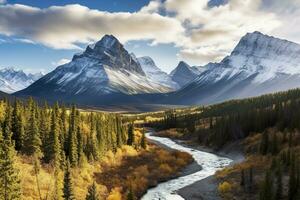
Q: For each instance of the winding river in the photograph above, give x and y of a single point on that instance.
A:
(167, 190)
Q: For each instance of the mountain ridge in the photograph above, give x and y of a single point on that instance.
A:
(259, 64)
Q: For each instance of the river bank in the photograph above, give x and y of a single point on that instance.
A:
(210, 164)
(207, 189)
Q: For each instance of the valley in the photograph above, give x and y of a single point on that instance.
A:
(150, 100)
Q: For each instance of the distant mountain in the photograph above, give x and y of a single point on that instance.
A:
(103, 72)
(184, 74)
(155, 74)
(12, 80)
(259, 64)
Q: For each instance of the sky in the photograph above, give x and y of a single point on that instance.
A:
(41, 35)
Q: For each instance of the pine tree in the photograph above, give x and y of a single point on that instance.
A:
(33, 141)
(267, 188)
(264, 143)
(10, 188)
(143, 140)
(242, 183)
(92, 193)
(73, 152)
(18, 127)
(54, 149)
(68, 184)
(7, 128)
(293, 187)
(130, 140)
(279, 185)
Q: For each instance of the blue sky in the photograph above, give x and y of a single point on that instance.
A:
(43, 34)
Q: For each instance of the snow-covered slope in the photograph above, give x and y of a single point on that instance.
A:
(12, 80)
(105, 68)
(156, 75)
(184, 74)
(259, 64)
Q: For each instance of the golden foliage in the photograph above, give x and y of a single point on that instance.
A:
(225, 187)
(115, 194)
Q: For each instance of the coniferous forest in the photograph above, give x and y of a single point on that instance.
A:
(266, 127)
(56, 136)
(63, 153)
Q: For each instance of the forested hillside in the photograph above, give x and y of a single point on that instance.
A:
(61, 153)
(268, 129)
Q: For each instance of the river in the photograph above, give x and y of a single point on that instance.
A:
(167, 190)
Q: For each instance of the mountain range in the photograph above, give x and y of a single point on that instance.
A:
(12, 80)
(259, 64)
(106, 73)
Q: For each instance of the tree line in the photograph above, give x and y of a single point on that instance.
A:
(59, 136)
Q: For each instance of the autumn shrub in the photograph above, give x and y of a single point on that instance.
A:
(225, 187)
(115, 194)
(165, 168)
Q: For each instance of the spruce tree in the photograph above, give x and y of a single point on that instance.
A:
(33, 141)
(73, 152)
(92, 193)
(242, 183)
(264, 145)
(130, 140)
(54, 150)
(68, 184)
(279, 186)
(143, 140)
(18, 127)
(10, 188)
(267, 187)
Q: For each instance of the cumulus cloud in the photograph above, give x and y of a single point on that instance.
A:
(66, 26)
(213, 31)
(203, 32)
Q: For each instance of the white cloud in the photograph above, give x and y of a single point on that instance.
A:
(66, 26)
(2, 1)
(61, 62)
(212, 32)
(203, 33)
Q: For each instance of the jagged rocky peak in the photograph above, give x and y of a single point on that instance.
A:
(110, 52)
(12, 80)
(147, 61)
(258, 44)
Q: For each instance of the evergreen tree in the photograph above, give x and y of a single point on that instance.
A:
(143, 140)
(73, 152)
(18, 127)
(264, 143)
(267, 188)
(33, 141)
(293, 185)
(92, 193)
(10, 188)
(279, 186)
(130, 140)
(68, 184)
(54, 150)
(242, 183)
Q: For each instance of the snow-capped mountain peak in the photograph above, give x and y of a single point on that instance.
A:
(155, 74)
(110, 52)
(12, 80)
(103, 69)
(259, 64)
(184, 74)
